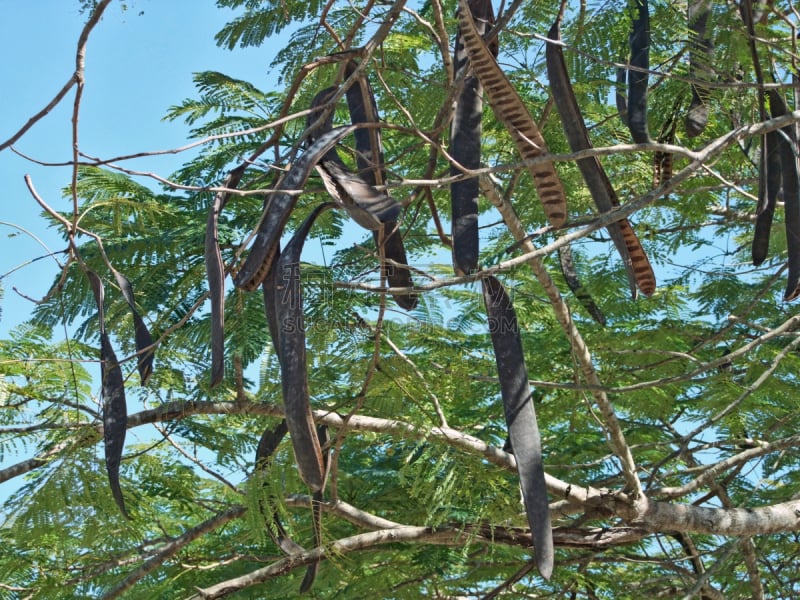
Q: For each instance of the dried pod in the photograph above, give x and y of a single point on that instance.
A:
(115, 410)
(512, 112)
(520, 416)
(465, 147)
(638, 76)
(640, 272)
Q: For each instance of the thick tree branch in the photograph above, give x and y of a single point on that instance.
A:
(443, 535)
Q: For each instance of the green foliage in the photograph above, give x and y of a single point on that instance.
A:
(262, 20)
(419, 390)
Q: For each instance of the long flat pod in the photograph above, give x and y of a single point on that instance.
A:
(143, 339)
(292, 343)
(279, 207)
(512, 112)
(271, 438)
(701, 51)
(269, 290)
(465, 147)
(791, 194)
(357, 193)
(520, 418)
(115, 411)
(638, 77)
(369, 159)
(369, 145)
(770, 165)
(637, 265)
(367, 206)
(215, 272)
(769, 184)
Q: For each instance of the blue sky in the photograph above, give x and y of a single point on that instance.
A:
(139, 62)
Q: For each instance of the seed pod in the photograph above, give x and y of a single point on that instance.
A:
(143, 339)
(787, 149)
(638, 79)
(637, 265)
(520, 416)
(115, 411)
(769, 184)
(292, 344)
(279, 207)
(701, 52)
(356, 192)
(512, 112)
(465, 147)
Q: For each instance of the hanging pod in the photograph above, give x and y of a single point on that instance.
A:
(115, 411)
(787, 148)
(634, 258)
(465, 145)
(770, 180)
(638, 76)
(279, 206)
(293, 362)
(701, 52)
(369, 159)
(262, 253)
(520, 416)
(512, 112)
(286, 292)
(142, 337)
(215, 272)
(357, 193)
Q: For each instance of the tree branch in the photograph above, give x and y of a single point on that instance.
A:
(173, 547)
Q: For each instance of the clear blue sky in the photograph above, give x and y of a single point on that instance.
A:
(139, 62)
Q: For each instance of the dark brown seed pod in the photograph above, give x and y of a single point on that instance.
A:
(790, 177)
(115, 410)
(701, 52)
(465, 147)
(279, 207)
(520, 416)
(638, 77)
(292, 344)
(640, 272)
(357, 193)
(769, 184)
(215, 272)
(142, 337)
